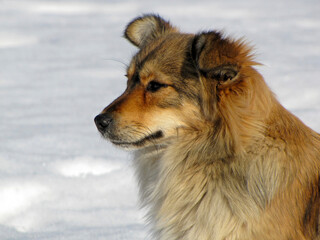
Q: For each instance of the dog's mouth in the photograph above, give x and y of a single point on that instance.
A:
(140, 143)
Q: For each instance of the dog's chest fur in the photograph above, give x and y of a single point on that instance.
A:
(194, 199)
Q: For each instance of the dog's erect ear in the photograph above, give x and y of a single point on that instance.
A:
(145, 28)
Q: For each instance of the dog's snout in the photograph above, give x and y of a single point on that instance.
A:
(103, 121)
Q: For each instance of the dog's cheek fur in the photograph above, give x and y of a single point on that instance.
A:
(169, 99)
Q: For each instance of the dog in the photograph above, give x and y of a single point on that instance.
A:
(216, 155)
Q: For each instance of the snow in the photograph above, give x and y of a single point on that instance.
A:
(62, 62)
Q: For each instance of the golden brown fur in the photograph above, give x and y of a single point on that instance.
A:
(217, 156)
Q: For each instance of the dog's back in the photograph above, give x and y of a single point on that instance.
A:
(217, 156)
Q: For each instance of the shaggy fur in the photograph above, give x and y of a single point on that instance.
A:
(217, 156)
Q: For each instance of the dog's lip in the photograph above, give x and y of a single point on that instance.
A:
(151, 137)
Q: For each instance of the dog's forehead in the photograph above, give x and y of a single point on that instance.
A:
(166, 54)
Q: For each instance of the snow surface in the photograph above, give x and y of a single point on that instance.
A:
(62, 62)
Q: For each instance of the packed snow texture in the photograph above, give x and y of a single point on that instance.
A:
(62, 62)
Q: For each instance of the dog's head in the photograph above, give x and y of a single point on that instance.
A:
(174, 81)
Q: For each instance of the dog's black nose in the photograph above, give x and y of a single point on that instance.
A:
(102, 122)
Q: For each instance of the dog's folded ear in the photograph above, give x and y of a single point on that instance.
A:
(148, 27)
(214, 57)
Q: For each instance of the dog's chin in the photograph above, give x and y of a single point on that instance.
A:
(151, 139)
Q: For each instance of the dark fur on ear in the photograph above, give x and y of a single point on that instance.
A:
(211, 49)
(216, 57)
(199, 43)
(145, 28)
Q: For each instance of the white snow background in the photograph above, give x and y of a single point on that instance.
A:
(62, 62)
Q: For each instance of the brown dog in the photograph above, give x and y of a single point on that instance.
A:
(217, 156)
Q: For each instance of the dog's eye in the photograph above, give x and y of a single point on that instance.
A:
(154, 86)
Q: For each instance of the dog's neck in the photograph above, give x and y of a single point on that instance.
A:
(165, 173)
(175, 176)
